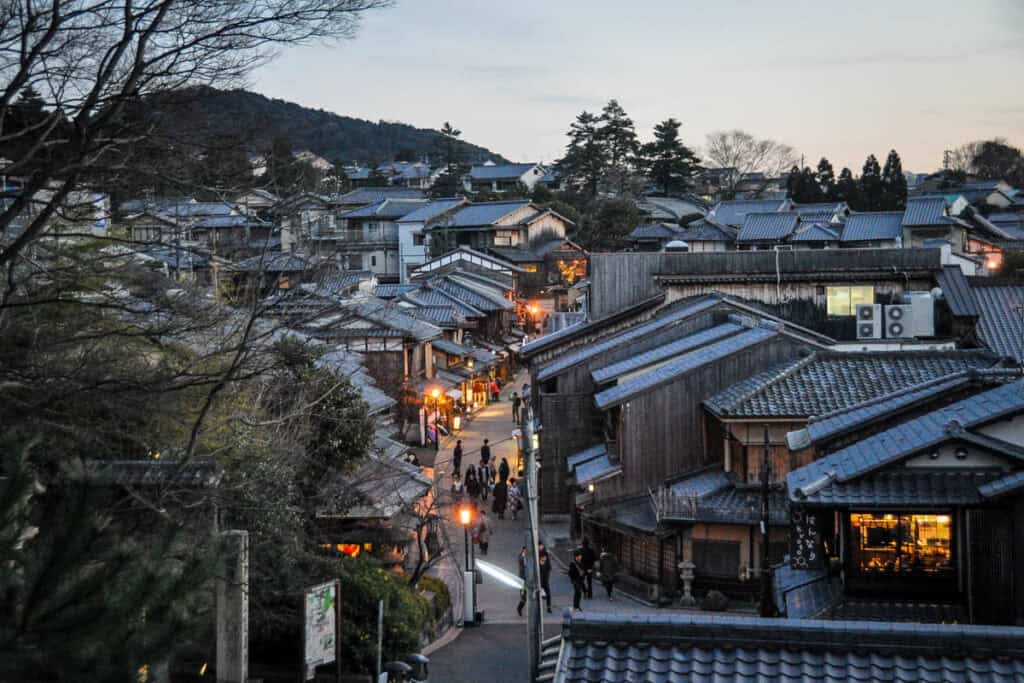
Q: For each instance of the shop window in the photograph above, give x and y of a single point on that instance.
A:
(716, 558)
(530, 267)
(902, 544)
(843, 301)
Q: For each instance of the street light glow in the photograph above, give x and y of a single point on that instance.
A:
(435, 393)
(465, 516)
(496, 572)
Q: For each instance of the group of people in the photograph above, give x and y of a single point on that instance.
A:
(582, 570)
(544, 563)
(483, 481)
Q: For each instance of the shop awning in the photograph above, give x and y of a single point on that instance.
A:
(585, 456)
(454, 393)
(596, 470)
(451, 348)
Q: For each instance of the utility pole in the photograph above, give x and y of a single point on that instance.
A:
(766, 578)
(534, 624)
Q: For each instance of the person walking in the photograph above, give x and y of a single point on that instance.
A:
(522, 575)
(495, 390)
(608, 570)
(576, 574)
(514, 501)
(472, 484)
(545, 575)
(503, 471)
(483, 532)
(457, 460)
(589, 559)
(516, 403)
(500, 499)
(485, 452)
(485, 478)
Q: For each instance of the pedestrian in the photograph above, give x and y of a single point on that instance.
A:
(514, 501)
(472, 484)
(500, 499)
(589, 560)
(503, 471)
(485, 479)
(545, 575)
(485, 452)
(457, 460)
(522, 575)
(495, 390)
(516, 402)
(608, 569)
(483, 532)
(576, 574)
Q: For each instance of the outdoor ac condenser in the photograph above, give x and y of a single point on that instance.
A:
(899, 322)
(869, 321)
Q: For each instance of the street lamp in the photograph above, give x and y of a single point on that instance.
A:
(436, 394)
(468, 577)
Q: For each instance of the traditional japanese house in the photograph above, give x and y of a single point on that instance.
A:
(928, 511)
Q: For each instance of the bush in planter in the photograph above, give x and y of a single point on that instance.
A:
(714, 601)
(442, 596)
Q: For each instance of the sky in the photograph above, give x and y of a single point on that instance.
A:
(835, 79)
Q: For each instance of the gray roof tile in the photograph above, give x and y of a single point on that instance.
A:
(732, 212)
(815, 232)
(666, 373)
(595, 469)
(873, 226)
(651, 231)
(768, 227)
(707, 230)
(908, 487)
(501, 171)
(1005, 485)
(483, 214)
(431, 210)
(369, 195)
(663, 353)
(924, 211)
(1000, 316)
(585, 455)
(388, 208)
(956, 291)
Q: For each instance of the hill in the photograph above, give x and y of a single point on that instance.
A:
(256, 121)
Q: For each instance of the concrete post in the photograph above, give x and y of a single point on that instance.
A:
(233, 610)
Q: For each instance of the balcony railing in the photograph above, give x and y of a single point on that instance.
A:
(358, 236)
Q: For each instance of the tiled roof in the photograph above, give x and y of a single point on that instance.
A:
(873, 226)
(702, 483)
(370, 195)
(655, 231)
(443, 316)
(636, 332)
(596, 469)
(451, 348)
(516, 254)
(904, 440)
(272, 263)
(1000, 316)
(194, 209)
(908, 486)
(957, 292)
(767, 227)
(925, 211)
(823, 381)
(803, 593)
(706, 230)
(429, 295)
(391, 290)
(338, 283)
(585, 455)
(480, 297)
(888, 611)
(732, 212)
(483, 214)
(663, 353)
(635, 513)
(819, 208)
(1005, 485)
(815, 232)
(668, 372)
(393, 317)
(734, 505)
(388, 208)
(501, 171)
(614, 648)
(431, 210)
(227, 222)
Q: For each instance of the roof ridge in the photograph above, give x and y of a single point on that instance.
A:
(778, 377)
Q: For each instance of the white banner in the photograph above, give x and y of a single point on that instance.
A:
(321, 625)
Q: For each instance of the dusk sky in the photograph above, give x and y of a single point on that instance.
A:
(832, 79)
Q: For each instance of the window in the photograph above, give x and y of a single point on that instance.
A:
(373, 260)
(902, 544)
(417, 239)
(844, 300)
(530, 267)
(716, 558)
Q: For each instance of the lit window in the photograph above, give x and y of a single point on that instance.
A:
(902, 544)
(530, 267)
(844, 300)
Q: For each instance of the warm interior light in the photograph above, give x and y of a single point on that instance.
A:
(942, 519)
(536, 441)
(457, 422)
(465, 516)
(590, 487)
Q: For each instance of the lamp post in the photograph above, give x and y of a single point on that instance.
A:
(436, 394)
(468, 577)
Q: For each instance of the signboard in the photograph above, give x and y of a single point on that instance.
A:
(321, 626)
(806, 549)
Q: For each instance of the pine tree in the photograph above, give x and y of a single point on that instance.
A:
(667, 161)
(826, 178)
(585, 157)
(847, 189)
(894, 183)
(618, 135)
(871, 190)
(802, 186)
(450, 149)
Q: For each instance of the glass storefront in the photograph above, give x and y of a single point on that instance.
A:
(902, 544)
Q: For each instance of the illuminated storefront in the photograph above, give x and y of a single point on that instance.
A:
(898, 544)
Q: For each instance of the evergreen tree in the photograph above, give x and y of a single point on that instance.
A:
(450, 150)
(585, 157)
(802, 186)
(377, 177)
(618, 135)
(826, 178)
(667, 161)
(894, 183)
(847, 189)
(871, 190)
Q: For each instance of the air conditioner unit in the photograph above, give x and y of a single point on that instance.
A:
(923, 304)
(869, 321)
(899, 321)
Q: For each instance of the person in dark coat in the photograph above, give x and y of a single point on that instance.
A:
(522, 575)
(457, 460)
(503, 471)
(500, 499)
(576, 574)
(608, 569)
(545, 576)
(485, 452)
(589, 558)
(516, 403)
(472, 484)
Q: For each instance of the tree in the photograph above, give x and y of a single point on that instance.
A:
(667, 161)
(377, 177)
(802, 186)
(449, 147)
(618, 135)
(894, 184)
(870, 185)
(847, 189)
(826, 179)
(406, 154)
(586, 157)
(741, 151)
(997, 160)
(606, 224)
